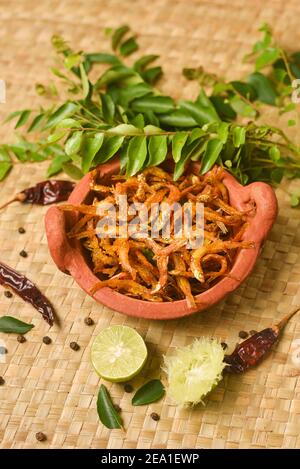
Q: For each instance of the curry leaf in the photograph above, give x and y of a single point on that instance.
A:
(263, 87)
(73, 171)
(5, 167)
(178, 118)
(148, 393)
(109, 148)
(12, 325)
(151, 75)
(158, 149)
(35, 124)
(57, 164)
(178, 142)
(118, 34)
(73, 145)
(106, 410)
(84, 81)
(23, 118)
(136, 153)
(108, 108)
(239, 136)
(89, 148)
(212, 152)
(128, 47)
(64, 111)
(157, 104)
(142, 63)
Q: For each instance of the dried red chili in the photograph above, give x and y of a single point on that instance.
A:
(27, 290)
(44, 193)
(251, 351)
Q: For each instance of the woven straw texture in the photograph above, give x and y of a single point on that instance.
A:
(51, 388)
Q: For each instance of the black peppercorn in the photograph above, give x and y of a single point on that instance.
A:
(74, 346)
(128, 387)
(47, 340)
(8, 294)
(243, 334)
(89, 321)
(224, 345)
(252, 332)
(21, 339)
(155, 416)
(21, 230)
(1, 381)
(23, 253)
(40, 436)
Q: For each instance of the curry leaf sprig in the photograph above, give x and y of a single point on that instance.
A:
(122, 113)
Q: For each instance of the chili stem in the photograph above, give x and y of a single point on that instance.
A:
(280, 325)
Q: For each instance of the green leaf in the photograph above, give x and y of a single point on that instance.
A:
(151, 75)
(277, 175)
(178, 118)
(202, 115)
(223, 131)
(240, 107)
(178, 142)
(5, 167)
(223, 108)
(35, 124)
(106, 410)
(73, 171)
(136, 153)
(4, 155)
(157, 104)
(12, 115)
(56, 136)
(64, 111)
(142, 63)
(128, 47)
(89, 149)
(274, 153)
(12, 325)
(23, 118)
(264, 88)
(72, 60)
(267, 57)
(238, 136)
(124, 129)
(68, 124)
(158, 150)
(152, 130)
(129, 93)
(84, 81)
(109, 148)
(245, 89)
(117, 36)
(213, 150)
(148, 393)
(73, 144)
(103, 58)
(57, 164)
(108, 108)
(113, 75)
(291, 122)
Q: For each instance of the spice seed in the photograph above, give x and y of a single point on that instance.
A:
(74, 346)
(40, 436)
(47, 340)
(21, 230)
(21, 339)
(252, 332)
(155, 416)
(224, 345)
(23, 253)
(243, 334)
(1, 381)
(128, 388)
(8, 294)
(89, 321)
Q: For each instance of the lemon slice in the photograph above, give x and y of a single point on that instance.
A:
(118, 353)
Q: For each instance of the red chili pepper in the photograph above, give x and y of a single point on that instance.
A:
(27, 290)
(44, 193)
(250, 352)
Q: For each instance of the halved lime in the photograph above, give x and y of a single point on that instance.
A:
(118, 353)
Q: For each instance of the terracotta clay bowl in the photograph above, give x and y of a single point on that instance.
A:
(70, 258)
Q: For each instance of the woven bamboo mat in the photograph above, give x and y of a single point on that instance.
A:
(51, 388)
